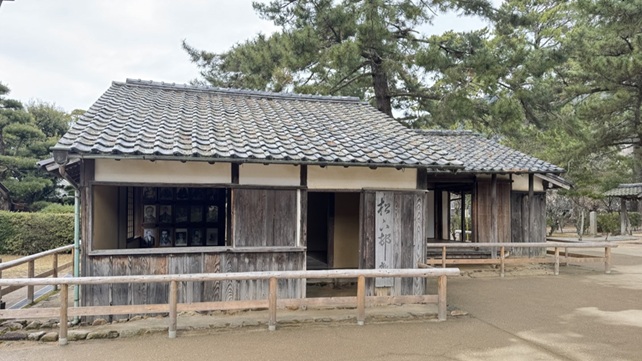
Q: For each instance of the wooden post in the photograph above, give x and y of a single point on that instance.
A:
(493, 214)
(173, 300)
(566, 256)
(501, 258)
(361, 300)
(30, 274)
(607, 259)
(557, 261)
(55, 269)
(531, 211)
(624, 217)
(463, 217)
(443, 257)
(64, 298)
(441, 300)
(272, 304)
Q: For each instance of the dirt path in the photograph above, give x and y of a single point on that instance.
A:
(580, 315)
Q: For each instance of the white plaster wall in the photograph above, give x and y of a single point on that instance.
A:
(144, 171)
(269, 175)
(520, 183)
(356, 178)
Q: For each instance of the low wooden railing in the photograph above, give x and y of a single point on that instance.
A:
(173, 307)
(502, 260)
(53, 271)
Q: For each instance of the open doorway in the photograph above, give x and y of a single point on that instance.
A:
(333, 238)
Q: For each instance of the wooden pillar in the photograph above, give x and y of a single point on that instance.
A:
(54, 267)
(439, 229)
(441, 298)
(494, 213)
(173, 301)
(531, 215)
(463, 216)
(361, 300)
(30, 274)
(272, 304)
(473, 213)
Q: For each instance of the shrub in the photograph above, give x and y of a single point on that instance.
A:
(635, 219)
(608, 223)
(58, 208)
(28, 233)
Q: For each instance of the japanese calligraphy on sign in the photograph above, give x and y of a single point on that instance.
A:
(383, 236)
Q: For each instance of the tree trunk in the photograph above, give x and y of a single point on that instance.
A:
(380, 85)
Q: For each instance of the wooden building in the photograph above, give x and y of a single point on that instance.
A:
(629, 194)
(183, 179)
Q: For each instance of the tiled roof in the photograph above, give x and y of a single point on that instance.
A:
(164, 121)
(482, 155)
(631, 190)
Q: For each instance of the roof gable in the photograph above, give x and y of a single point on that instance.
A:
(157, 120)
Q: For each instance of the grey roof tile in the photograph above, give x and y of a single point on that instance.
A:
(480, 154)
(630, 190)
(144, 118)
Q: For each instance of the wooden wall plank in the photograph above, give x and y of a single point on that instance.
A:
(419, 240)
(120, 291)
(212, 291)
(384, 233)
(285, 217)
(407, 244)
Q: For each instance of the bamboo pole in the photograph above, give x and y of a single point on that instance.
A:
(441, 294)
(361, 300)
(30, 273)
(54, 268)
(64, 301)
(173, 301)
(272, 304)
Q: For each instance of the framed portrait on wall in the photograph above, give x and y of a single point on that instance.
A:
(196, 214)
(149, 237)
(165, 214)
(182, 214)
(180, 236)
(165, 237)
(211, 237)
(166, 194)
(149, 194)
(182, 194)
(149, 213)
(212, 214)
(197, 238)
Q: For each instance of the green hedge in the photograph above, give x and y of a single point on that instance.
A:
(27, 233)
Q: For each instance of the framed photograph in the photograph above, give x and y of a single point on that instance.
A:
(149, 194)
(165, 238)
(182, 194)
(165, 214)
(211, 237)
(180, 236)
(196, 214)
(149, 237)
(197, 194)
(212, 214)
(149, 213)
(166, 194)
(197, 238)
(182, 214)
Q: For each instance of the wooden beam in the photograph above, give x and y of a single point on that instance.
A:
(494, 212)
(531, 207)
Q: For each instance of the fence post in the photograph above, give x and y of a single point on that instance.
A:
(441, 302)
(361, 300)
(173, 300)
(55, 269)
(501, 260)
(272, 304)
(64, 303)
(30, 274)
(607, 259)
(557, 261)
(443, 257)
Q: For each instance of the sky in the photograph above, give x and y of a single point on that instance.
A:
(68, 52)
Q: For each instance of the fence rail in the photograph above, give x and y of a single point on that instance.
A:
(271, 303)
(30, 260)
(502, 260)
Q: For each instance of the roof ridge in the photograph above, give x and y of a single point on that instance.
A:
(239, 92)
(448, 132)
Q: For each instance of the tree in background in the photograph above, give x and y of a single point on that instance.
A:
(366, 49)
(26, 134)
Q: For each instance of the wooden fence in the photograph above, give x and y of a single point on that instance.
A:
(31, 260)
(502, 260)
(173, 307)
